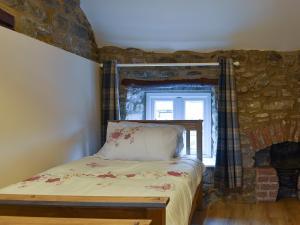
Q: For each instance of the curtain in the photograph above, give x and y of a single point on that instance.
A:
(110, 96)
(228, 170)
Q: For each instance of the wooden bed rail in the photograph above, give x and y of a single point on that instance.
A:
(83, 201)
(141, 208)
(19, 220)
(55, 206)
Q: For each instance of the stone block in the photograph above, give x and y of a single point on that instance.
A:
(59, 23)
(279, 105)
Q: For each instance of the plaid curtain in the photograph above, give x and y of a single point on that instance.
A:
(110, 96)
(228, 170)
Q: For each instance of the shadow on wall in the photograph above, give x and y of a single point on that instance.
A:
(50, 104)
(43, 155)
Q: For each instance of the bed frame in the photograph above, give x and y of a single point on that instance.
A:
(20, 220)
(150, 208)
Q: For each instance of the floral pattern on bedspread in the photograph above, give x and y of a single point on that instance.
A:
(94, 176)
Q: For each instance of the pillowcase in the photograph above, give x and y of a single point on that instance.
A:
(180, 130)
(140, 143)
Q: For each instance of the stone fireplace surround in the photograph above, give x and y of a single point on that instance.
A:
(267, 182)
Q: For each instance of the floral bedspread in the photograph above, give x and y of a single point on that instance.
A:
(94, 176)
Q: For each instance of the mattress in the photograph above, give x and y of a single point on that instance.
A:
(177, 179)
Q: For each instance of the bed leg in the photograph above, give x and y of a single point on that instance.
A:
(157, 215)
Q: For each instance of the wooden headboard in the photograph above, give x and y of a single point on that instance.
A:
(189, 125)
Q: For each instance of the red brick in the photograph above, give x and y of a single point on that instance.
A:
(262, 194)
(279, 133)
(265, 171)
(297, 134)
(273, 179)
(292, 130)
(269, 187)
(273, 195)
(267, 136)
(253, 141)
(262, 179)
(260, 139)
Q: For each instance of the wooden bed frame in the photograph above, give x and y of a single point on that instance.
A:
(20, 220)
(150, 208)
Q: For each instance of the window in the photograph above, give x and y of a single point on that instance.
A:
(184, 106)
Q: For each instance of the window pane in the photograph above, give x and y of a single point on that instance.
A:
(194, 110)
(163, 110)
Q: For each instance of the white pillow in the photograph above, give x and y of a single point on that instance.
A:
(180, 130)
(140, 143)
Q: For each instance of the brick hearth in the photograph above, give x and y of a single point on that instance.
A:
(267, 183)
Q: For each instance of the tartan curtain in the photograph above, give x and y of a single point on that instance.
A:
(110, 96)
(228, 170)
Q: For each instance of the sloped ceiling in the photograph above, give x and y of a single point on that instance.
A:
(201, 25)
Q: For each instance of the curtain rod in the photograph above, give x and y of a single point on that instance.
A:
(169, 64)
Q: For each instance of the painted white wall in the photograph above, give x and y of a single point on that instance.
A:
(49, 106)
(200, 25)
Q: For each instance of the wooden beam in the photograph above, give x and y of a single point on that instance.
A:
(128, 82)
(7, 20)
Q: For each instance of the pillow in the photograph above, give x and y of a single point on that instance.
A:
(140, 143)
(180, 130)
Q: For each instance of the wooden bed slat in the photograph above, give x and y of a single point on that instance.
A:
(88, 201)
(188, 142)
(19, 220)
(157, 215)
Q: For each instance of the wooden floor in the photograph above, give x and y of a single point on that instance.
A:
(283, 212)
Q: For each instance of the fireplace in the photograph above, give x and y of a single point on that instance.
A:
(278, 168)
(277, 159)
(285, 158)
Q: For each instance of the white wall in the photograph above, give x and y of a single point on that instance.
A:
(199, 25)
(49, 106)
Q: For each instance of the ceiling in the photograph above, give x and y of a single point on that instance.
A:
(200, 25)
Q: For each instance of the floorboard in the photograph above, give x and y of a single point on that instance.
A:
(283, 212)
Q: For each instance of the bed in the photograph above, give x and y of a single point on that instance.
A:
(166, 192)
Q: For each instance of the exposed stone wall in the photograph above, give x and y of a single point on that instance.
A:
(268, 89)
(61, 23)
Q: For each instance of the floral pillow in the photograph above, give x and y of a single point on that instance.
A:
(140, 143)
(180, 130)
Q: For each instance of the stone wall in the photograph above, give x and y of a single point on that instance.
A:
(61, 23)
(268, 90)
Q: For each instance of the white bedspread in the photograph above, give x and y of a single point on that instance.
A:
(94, 176)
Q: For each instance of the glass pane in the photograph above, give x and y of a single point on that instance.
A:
(163, 110)
(194, 110)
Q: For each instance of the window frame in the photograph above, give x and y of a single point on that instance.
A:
(178, 98)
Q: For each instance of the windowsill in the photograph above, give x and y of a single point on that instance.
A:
(209, 162)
